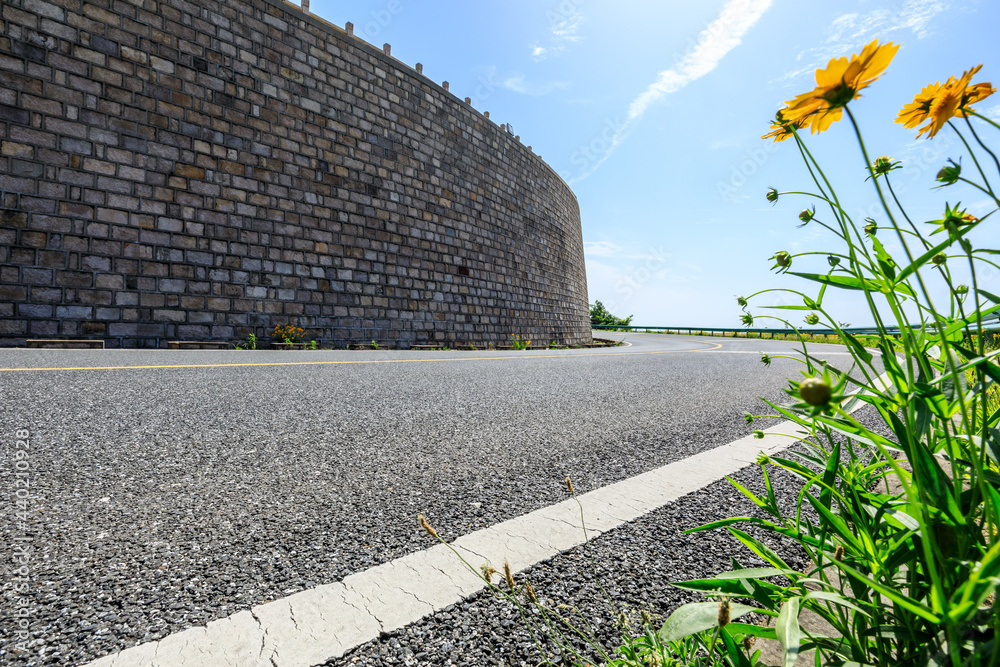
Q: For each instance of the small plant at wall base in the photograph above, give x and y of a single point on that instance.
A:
(899, 520)
(288, 333)
(520, 344)
(250, 344)
(599, 316)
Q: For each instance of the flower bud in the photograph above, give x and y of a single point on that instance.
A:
(782, 261)
(426, 526)
(772, 195)
(949, 174)
(939, 259)
(759, 435)
(747, 319)
(833, 260)
(765, 359)
(962, 290)
(871, 228)
(806, 215)
(748, 418)
(812, 318)
(882, 165)
(723, 616)
(741, 301)
(815, 391)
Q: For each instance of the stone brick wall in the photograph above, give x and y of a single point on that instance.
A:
(203, 169)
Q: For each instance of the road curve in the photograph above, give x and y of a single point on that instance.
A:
(173, 488)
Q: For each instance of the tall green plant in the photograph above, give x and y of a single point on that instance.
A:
(599, 315)
(899, 521)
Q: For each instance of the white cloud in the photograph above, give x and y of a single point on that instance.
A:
(914, 15)
(600, 248)
(849, 31)
(519, 85)
(563, 33)
(722, 36)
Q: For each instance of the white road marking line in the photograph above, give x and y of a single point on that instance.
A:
(326, 622)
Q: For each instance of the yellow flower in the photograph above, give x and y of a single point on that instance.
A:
(838, 84)
(781, 129)
(939, 102)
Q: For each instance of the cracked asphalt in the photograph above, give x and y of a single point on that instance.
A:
(166, 497)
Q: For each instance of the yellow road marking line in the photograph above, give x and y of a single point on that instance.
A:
(357, 361)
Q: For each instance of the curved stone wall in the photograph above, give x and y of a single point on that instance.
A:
(206, 169)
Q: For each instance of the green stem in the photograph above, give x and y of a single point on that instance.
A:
(980, 142)
(982, 117)
(972, 154)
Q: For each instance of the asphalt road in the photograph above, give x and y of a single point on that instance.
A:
(188, 486)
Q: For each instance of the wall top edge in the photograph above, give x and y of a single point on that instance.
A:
(378, 54)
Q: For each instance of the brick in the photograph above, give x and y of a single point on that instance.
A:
(11, 327)
(46, 295)
(94, 263)
(34, 239)
(13, 292)
(28, 51)
(74, 279)
(105, 46)
(189, 171)
(10, 218)
(172, 285)
(74, 312)
(45, 9)
(166, 315)
(14, 149)
(27, 169)
(37, 310)
(95, 297)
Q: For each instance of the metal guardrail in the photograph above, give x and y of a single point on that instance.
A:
(871, 331)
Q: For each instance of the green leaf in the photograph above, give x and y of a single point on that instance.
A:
(854, 283)
(929, 255)
(975, 361)
(728, 586)
(885, 260)
(788, 631)
(858, 349)
(754, 573)
(907, 603)
(845, 282)
(697, 617)
(747, 492)
(753, 630)
(760, 548)
(734, 652)
(835, 598)
(830, 477)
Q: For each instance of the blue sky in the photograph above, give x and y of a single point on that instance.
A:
(653, 109)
